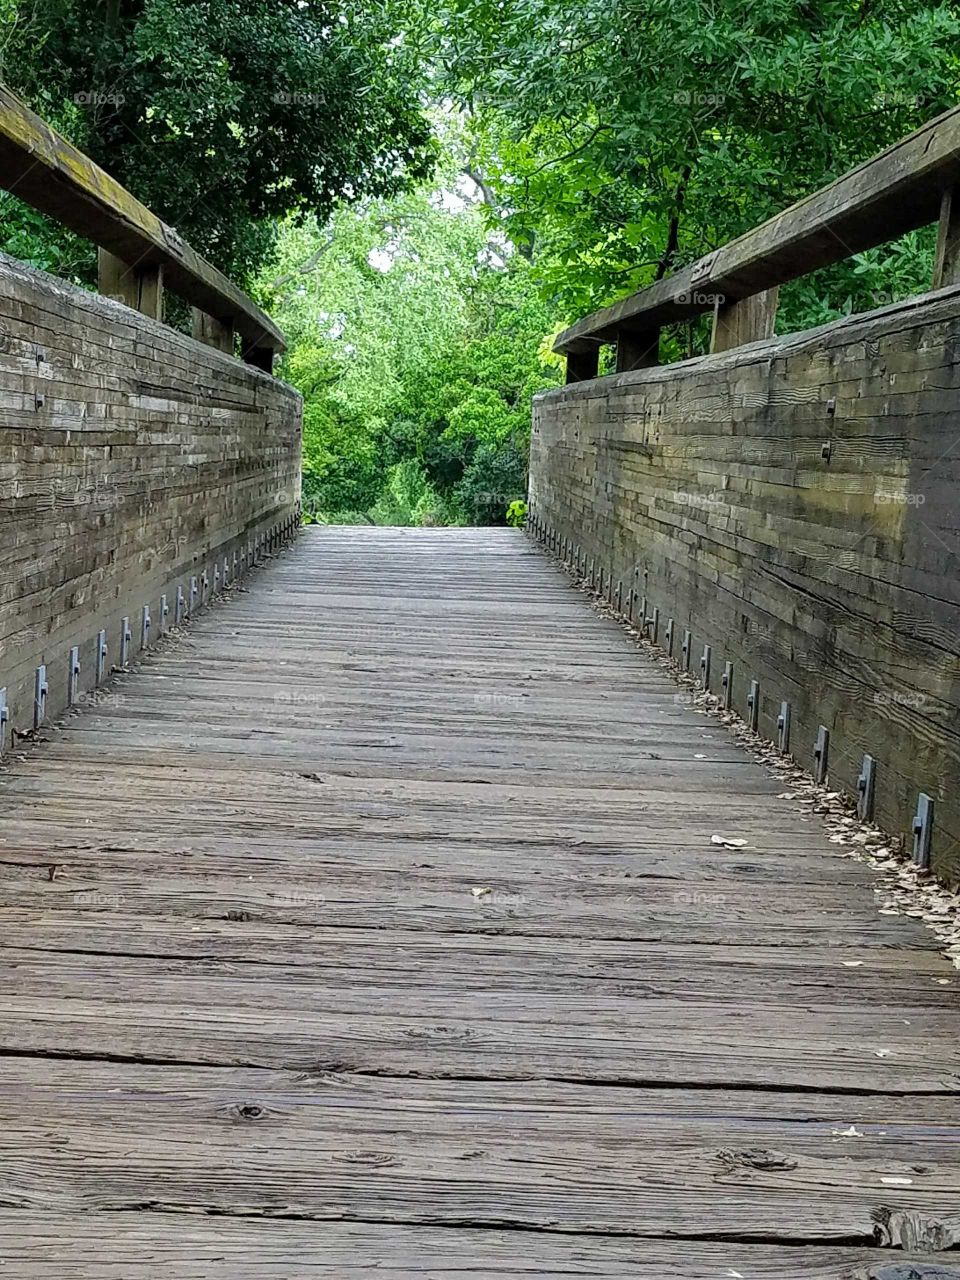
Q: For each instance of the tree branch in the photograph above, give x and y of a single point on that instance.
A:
(482, 185)
(304, 269)
(673, 230)
(600, 128)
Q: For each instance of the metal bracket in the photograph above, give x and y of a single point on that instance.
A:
(652, 624)
(4, 720)
(226, 571)
(73, 675)
(126, 638)
(619, 595)
(102, 650)
(685, 651)
(164, 614)
(865, 788)
(753, 705)
(821, 754)
(783, 727)
(194, 589)
(40, 691)
(705, 666)
(216, 578)
(726, 684)
(204, 586)
(179, 608)
(923, 830)
(145, 627)
(668, 637)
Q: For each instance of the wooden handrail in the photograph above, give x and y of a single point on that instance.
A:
(905, 187)
(141, 254)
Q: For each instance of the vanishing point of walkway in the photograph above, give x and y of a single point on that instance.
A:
(374, 926)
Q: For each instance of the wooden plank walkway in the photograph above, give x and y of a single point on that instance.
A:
(374, 925)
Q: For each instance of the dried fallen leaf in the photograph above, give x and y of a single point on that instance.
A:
(728, 842)
(851, 964)
(897, 1182)
(481, 892)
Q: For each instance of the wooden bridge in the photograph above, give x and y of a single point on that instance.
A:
(406, 912)
(378, 923)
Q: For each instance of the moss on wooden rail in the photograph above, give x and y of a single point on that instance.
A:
(42, 168)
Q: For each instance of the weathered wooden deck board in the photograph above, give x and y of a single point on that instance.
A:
(118, 1246)
(377, 919)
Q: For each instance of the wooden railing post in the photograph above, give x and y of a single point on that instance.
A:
(139, 287)
(946, 265)
(637, 349)
(750, 320)
(213, 332)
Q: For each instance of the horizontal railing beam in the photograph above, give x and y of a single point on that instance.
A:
(42, 168)
(897, 191)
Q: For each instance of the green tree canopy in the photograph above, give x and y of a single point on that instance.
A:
(226, 115)
(625, 138)
(416, 337)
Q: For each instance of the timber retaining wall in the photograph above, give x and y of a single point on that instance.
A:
(138, 468)
(793, 505)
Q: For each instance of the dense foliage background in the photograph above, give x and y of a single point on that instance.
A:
(423, 195)
(418, 339)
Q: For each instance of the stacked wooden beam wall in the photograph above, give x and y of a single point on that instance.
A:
(793, 505)
(133, 459)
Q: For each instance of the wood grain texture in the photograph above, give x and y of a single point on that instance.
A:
(165, 1246)
(793, 505)
(376, 926)
(132, 460)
